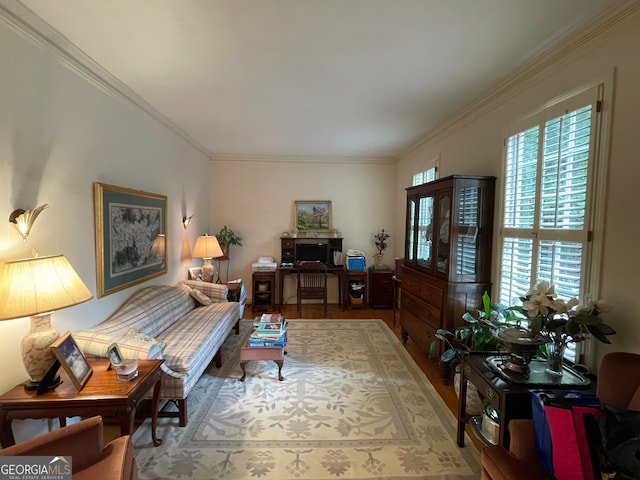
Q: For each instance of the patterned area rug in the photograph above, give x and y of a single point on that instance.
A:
(353, 405)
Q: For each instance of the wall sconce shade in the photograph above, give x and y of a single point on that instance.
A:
(207, 247)
(23, 219)
(186, 221)
(36, 287)
(159, 245)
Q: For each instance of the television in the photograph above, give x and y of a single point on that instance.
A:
(312, 251)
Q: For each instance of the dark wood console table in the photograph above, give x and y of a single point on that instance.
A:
(511, 399)
(101, 395)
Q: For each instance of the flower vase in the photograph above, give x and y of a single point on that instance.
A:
(555, 356)
(378, 259)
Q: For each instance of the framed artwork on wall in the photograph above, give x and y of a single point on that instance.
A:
(313, 216)
(127, 223)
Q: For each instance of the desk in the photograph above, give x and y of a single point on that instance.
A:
(337, 270)
(101, 395)
(510, 399)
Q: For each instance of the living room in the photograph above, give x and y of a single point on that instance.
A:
(64, 130)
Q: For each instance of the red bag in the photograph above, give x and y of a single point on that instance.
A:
(565, 418)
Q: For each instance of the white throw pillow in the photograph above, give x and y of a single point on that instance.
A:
(200, 297)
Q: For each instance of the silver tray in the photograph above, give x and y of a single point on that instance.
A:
(537, 374)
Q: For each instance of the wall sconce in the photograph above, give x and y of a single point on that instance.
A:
(186, 220)
(23, 219)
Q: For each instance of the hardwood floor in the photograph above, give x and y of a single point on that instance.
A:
(429, 366)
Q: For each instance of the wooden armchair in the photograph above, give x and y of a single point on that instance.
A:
(312, 283)
(84, 443)
(618, 385)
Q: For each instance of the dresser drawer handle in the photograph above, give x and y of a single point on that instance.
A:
(490, 393)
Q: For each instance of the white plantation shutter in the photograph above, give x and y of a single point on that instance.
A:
(549, 175)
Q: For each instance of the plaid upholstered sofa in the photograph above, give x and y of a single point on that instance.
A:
(176, 323)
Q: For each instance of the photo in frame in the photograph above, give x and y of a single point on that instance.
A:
(72, 360)
(195, 273)
(313, 215)
(127, 223)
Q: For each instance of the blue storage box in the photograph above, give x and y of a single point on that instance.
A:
(357, 264)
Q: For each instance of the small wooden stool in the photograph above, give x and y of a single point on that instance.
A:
(249, 354)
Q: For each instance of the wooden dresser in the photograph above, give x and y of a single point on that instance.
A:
(447, 264)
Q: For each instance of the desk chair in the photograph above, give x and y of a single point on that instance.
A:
(312, 283)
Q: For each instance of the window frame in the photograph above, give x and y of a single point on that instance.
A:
(596, 187)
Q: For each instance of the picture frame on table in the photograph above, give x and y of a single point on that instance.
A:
(127, 223)
(72, 359)
(195, 273)
(313, 215)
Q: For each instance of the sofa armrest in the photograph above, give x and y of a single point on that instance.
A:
(498, 464)
(217, 292)
(83, 441)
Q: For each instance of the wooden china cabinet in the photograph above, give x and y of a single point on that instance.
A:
(447, 262)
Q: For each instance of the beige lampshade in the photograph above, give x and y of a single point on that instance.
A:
(158, 247)
(207, 247)
(39, 285)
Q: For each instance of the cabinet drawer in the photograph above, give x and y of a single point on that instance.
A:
(422, 310)
(431, 294)
(485, 388)
(420, 331)
(411, 285)
(288, 243)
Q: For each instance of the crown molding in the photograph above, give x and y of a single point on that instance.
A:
(26, 23)
(320, 159)
(601, 27)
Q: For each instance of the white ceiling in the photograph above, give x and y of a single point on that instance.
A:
(348, 78)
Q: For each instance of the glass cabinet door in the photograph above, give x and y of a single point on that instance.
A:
(444, 223)
(411, 229)
(424, 251)
(467, 255)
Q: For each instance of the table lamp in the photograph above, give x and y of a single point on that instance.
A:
(35, 288)
(207, 247)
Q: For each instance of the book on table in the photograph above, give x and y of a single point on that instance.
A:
(257, 341)
(271, 331)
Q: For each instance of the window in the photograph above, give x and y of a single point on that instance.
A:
(428, 175)
(548, 200)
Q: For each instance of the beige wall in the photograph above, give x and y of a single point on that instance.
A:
(472, 144)
(58, 134)
(256, 199)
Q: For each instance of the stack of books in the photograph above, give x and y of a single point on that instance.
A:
(270, 331)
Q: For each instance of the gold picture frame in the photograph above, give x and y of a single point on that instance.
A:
(72, 360)
(126, 224)
(313, 215)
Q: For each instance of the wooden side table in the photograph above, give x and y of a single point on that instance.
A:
(101, 395)
(249, 354)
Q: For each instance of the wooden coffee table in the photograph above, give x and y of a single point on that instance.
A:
(101, 395)
(248, 354)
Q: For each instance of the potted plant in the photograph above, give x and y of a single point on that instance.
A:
(556, 322)
(227, 237)
(478, 334)
(380, 240)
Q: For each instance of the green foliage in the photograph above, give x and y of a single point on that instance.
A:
(478, 333)
(380, 239)
(227, 237)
